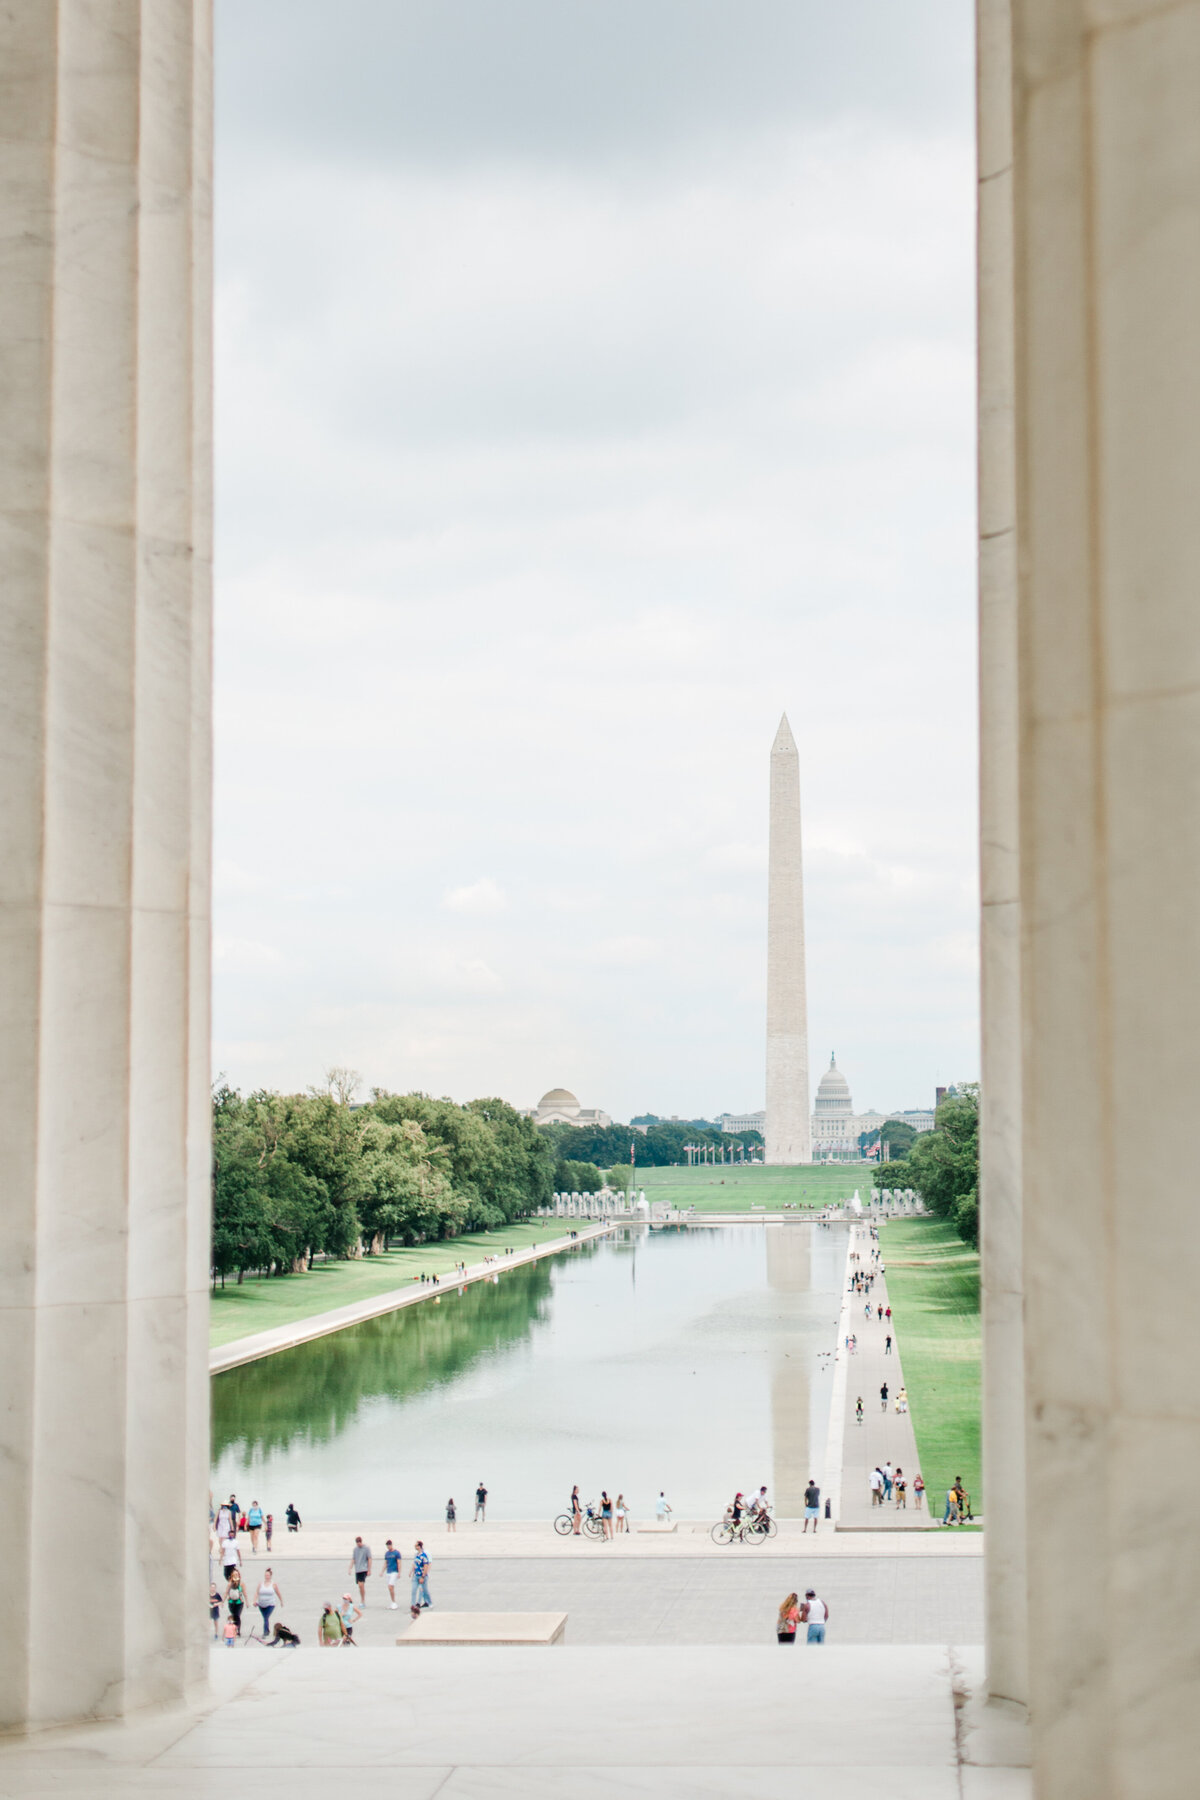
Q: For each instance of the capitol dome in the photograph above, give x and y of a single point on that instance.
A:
(558, 1099)
(833, 1095)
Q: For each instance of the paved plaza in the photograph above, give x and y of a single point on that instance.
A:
(710, 1600)
(564, 1723)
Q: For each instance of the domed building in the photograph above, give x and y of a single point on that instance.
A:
(560, 1107)
(834, 1132)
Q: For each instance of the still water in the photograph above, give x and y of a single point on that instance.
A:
(691, 1360)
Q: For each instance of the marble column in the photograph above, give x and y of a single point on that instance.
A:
(1000, 1099)
(1106, 209)
(104, 537)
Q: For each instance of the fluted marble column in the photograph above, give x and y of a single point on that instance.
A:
(105, 544)
(1107, 256)
(1000, 1113)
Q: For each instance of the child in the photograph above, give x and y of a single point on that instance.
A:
(214, 1608)
(268, 1528)
(230, 1633)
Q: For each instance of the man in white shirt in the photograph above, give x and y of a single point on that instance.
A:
(814, 1613)
(662, 1509)
(875, 1483)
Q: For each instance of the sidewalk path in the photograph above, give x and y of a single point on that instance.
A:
(504, 1539)
(301, 1331)
(882, 1436)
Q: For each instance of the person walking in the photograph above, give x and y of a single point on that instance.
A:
(858, 1410)
(887, 1346)
(267, 1597)
(815, 1614)
(576, 1511)
(451, 1515)
(235, 1599)
(231, 1557)
(950, 1516)
(330, 1632)
(231, 1633)
(350, 1615)
(606, 1518)
(786, 1623)
(900, 1487)
(420, 1579)
(622, 1512)
(918, 1489)
(662, 1508)
(225, 1521)
(391, 1564)
(875, 1483)
(294, 1520)
(480, 1504)
(268, 1529)
(214, 1608)
(883, 1394)
(360, 1567)
(812, 1505)
(886, 1472)
(254, 1524)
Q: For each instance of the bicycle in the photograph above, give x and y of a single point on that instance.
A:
(592, 1523)
(746, 1531)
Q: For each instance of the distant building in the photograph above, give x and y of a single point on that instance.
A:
(560, 1107)
(834, 1138)
(755, 1121)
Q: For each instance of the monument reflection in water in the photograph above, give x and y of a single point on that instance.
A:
(691, 1360)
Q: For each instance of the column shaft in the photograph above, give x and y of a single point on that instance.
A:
(1000, 1112)
(1107, 256)
(105, 520)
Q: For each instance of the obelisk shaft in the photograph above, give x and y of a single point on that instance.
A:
(789, 1124)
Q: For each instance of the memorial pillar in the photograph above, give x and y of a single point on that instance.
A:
(1107, 332)
(1000, 1092)
(104, 1109)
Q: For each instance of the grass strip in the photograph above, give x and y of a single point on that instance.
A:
(261, 1302)
(734, 1188)
(933, 1287)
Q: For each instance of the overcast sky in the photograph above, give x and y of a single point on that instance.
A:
(594, 383)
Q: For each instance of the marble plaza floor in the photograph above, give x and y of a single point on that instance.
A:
(567, 1723)
(873, 1599)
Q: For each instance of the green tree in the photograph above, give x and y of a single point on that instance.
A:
(577, 1178)
(943, 1164)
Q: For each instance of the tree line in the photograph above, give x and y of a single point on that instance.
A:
(943, 1164)
(658, 1147)
(301, 1175)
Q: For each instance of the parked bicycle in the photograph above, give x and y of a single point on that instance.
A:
(592, 1522)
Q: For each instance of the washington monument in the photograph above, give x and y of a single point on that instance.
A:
(789, 1124)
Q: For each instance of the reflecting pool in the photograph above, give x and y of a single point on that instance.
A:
(694, 1360)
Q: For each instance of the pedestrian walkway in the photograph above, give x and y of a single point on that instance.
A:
(884, 1435)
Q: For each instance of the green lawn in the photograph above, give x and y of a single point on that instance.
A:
(933, 1287)
(732, 1189)
(259, 1305)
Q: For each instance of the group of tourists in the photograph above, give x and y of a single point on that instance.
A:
(231, 1591)
(887, 1484)
(612, 1514)
(958, 1504)
(810, 1612)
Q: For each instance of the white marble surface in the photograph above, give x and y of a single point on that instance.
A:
(787, 1130)
(819, 1722)
(1107, 258)
(104, 558)
(999, 867)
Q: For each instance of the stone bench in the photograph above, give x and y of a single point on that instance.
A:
(486, 1628)
(671, 1526)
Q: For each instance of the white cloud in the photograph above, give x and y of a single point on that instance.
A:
(482, 896)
